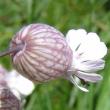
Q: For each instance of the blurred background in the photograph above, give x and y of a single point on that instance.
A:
(92, 15)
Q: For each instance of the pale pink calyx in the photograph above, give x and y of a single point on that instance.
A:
(45, 55)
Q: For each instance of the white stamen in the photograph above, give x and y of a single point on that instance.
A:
(75, 83)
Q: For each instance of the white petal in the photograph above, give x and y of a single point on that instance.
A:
(93, 52)
(91, 48)
(92, 36)
(24, 86)
(90, 66)
(75, 83)
(90, 77)
(20, 83)
(74, 37)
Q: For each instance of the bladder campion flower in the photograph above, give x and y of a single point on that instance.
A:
(41, 53)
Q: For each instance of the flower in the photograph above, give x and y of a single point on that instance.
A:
(40, 53)
(88, 52)
(13, 87)
(18, 84)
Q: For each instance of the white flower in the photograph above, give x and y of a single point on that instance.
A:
(19, 83)
(88, 52)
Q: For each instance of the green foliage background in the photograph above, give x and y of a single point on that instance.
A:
(92, 15)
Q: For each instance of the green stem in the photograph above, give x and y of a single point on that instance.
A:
(11, 50)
